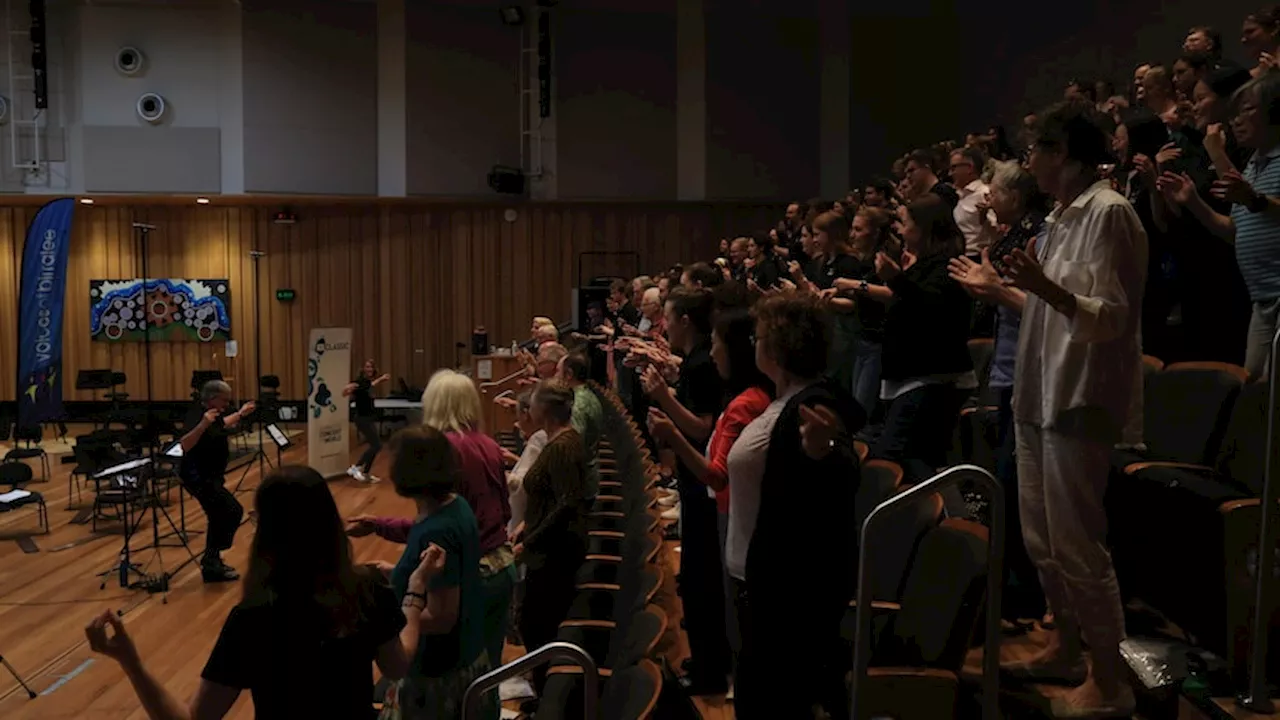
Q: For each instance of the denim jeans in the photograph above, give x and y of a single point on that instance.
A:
(866, 374)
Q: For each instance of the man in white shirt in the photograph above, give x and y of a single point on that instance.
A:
(971, 212)
(1074, 380)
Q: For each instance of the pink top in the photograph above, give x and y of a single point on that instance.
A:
(482, 482)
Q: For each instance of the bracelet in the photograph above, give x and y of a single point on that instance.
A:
(411, 604)
(412, 594)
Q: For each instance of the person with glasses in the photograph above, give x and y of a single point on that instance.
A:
(972, 212)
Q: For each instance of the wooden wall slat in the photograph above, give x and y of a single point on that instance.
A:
(410, 279)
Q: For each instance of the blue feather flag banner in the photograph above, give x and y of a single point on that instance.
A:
(41, 305)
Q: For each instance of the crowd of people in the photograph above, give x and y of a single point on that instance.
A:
(1113, 225)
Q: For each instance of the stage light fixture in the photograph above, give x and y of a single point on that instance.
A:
(512, 15)
(202, 201)
(86, 201)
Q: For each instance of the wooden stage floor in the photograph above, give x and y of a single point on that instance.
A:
(46, 598)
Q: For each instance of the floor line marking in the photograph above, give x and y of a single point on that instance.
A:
(68, 677)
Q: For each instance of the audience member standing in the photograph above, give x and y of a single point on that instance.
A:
(1077, 371)
(693, 406)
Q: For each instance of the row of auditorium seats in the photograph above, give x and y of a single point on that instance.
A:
(616, 617)
(1184, 511)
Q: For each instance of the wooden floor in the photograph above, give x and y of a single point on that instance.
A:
(46, 598)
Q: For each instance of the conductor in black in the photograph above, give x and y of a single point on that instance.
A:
(205, 452)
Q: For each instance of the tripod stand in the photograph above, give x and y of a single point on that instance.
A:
(259, 456)
(30, 693)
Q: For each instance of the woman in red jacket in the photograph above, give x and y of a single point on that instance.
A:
(749, 393)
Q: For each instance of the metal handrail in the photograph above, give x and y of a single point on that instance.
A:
(995, 557)
(495, 383)
(1257, 697)
(543, 655)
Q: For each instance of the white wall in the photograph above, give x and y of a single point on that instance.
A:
(282, 97)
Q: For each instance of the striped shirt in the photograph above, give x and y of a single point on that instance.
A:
(1258, 234)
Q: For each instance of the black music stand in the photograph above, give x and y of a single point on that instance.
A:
(173, 454)
(280, 439)
(94, 380)
(129, 478)
(160, 581)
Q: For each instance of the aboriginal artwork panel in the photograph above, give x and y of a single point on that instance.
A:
(177, 310)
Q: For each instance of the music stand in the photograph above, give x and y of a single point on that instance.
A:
(280, 439)
(130, 474)
(173, 454)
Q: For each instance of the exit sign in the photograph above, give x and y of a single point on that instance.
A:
(286, 294)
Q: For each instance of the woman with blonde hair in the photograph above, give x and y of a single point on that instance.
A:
(451, 405)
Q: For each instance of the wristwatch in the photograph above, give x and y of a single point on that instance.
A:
(862, 287)
(1258, 204)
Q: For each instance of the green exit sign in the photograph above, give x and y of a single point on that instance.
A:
(286, 294)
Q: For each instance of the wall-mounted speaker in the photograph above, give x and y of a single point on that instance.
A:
(506, 180)
(151, 107)
(4, 109)
(130, 61)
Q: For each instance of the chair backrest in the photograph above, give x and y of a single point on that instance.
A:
(1186, 408)
(895, 544)
(632, 693)
(1243, 454)
(981, 351)
(942, 598)
(28, 433)
(15, 473)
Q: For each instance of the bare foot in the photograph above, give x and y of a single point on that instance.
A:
(1093, 701)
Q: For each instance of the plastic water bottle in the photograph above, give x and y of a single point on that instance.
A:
(515, 348)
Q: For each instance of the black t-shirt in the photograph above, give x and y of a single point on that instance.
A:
(296, 668)
(766, 272)
(840, 266)
(699, 391)
(207, 459)
(629, 315)
(870, 311)
(363, 397)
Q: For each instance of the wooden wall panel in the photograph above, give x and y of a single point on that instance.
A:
(410, 279)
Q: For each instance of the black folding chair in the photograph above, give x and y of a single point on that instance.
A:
(12, 475)
(30, 437)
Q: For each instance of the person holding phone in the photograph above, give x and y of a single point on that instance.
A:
(205, 452)
(360, 391)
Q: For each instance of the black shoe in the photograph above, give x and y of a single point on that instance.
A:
(218, 573)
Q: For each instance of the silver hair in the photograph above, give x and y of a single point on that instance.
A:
(1010, 175)
(213, 389)
(1264, 90)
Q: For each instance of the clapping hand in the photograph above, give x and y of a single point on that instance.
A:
(819, 427)
(1234, 188)
(247, 408)
(1168, 154)
(655, 386)
(1215, 140)
(887, 268)
(1177, 189)
(660, 426)
(1025, 271)
(979, 279)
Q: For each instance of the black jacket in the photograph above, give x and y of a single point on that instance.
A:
(806, 510)
(926, 329)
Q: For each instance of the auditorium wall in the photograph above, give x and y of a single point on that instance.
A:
(411, 278)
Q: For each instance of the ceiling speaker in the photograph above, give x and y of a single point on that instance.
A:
(151, 107)
(130, 61)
